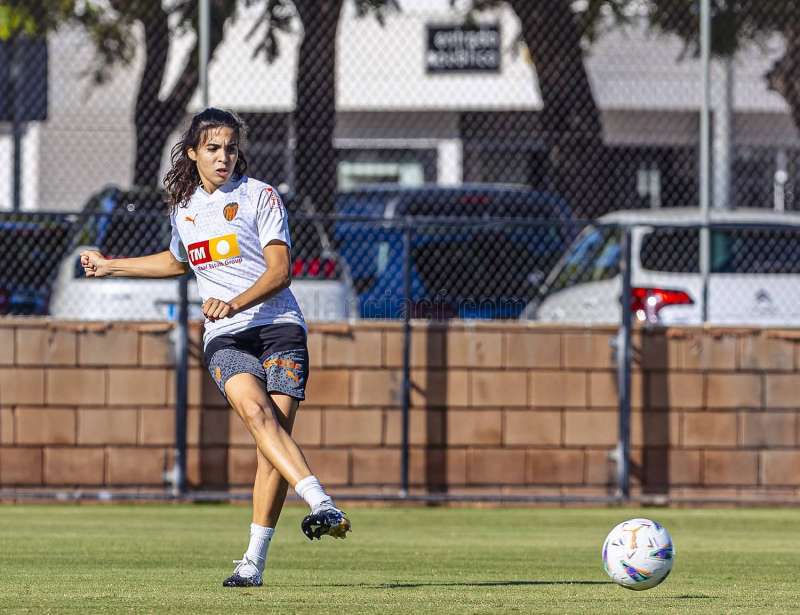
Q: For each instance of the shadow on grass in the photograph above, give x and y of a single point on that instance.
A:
(464, 584)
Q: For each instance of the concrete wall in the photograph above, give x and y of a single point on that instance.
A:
(496, 408)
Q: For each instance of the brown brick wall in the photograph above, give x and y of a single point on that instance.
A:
(496, 408)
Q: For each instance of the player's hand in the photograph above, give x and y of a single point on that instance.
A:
(216, 309)
(94, 264)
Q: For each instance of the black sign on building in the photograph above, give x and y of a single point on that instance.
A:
(23, 79)
(463, 49)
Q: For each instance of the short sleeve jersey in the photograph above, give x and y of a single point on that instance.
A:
(222, 236)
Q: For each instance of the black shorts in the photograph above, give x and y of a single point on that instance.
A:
(275, 354)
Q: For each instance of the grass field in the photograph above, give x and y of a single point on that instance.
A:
(172, 559)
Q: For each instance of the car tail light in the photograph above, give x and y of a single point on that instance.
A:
(475, 199)
(646, 303)
(314, 268)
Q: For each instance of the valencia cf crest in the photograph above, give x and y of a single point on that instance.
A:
(230, 211)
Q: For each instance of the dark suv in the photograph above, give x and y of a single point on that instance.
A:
(32, 245)
(477, 250)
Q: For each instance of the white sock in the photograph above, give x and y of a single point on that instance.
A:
(260, 537)
(312, 492)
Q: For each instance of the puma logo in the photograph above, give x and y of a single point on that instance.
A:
(190, 218)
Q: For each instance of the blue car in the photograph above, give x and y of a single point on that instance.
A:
(477, 251)
(32, 245)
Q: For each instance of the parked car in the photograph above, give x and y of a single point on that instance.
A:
(754, 270)
(134, 223)
(477, 250)
(32, 245)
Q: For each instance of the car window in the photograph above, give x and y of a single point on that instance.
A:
(32, 251)
(733, 250)
(756, 251)
(312, 257)
(593, 257)
(136, 234)
(673, 250)
(33, 245)
(502, 263)
(126, 223)
(306, 241)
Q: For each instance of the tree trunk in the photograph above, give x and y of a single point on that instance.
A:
(570, 117)
(315, 107)
(784, 75)
(148, 115)
(157, 119)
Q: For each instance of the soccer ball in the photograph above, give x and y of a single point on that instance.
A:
(638, 554)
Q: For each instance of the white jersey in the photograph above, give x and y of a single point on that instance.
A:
(222, 235)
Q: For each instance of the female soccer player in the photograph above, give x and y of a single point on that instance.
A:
(232, 231)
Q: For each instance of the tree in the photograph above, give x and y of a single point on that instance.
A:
(314, 118)
(556, 36)
(111, 28)
(736, 24)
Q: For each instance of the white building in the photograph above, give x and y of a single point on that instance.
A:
(398, 122)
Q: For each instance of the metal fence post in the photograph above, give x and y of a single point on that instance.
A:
(181, 388)
(182, 332)
(406, 353)
(705, 151)
(624, 370)
(17, 128)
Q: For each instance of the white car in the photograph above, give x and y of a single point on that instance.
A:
(133, 224)
(754, 270)
(76, 297)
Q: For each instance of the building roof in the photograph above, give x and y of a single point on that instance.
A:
(694, 215)
(383, 68)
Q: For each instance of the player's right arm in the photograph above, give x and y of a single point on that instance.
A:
(160, 265)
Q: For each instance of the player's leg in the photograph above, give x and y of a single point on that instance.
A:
(286, 372)
(259, 412)
(269, 490)
(269, 493)
(246, 395)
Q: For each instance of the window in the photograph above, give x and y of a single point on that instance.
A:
(756, 251)
(357, 168)
(592, 258)
(733, 250)
(676, 250)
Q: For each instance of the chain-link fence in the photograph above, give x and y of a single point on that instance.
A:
(591, 105)
(597, 102)
(488, 260)
(751, 280)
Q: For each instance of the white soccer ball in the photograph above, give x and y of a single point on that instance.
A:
(638, 554)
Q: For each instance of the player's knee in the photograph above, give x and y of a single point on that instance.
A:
(257, 417)
(252, 412)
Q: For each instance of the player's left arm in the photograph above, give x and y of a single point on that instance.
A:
(277, 277)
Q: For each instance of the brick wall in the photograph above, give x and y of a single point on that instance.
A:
(496, 408)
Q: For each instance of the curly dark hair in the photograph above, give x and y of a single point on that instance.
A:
(182, 178)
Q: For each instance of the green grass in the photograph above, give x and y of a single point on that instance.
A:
(172, 559)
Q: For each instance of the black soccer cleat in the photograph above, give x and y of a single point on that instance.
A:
(326, 522)
(240, 576)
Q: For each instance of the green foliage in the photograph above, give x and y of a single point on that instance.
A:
(32, 17)
(734, 23)
(110, 24)
(592, 16)
(109, 28)
(282, 16)
(379, 8)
